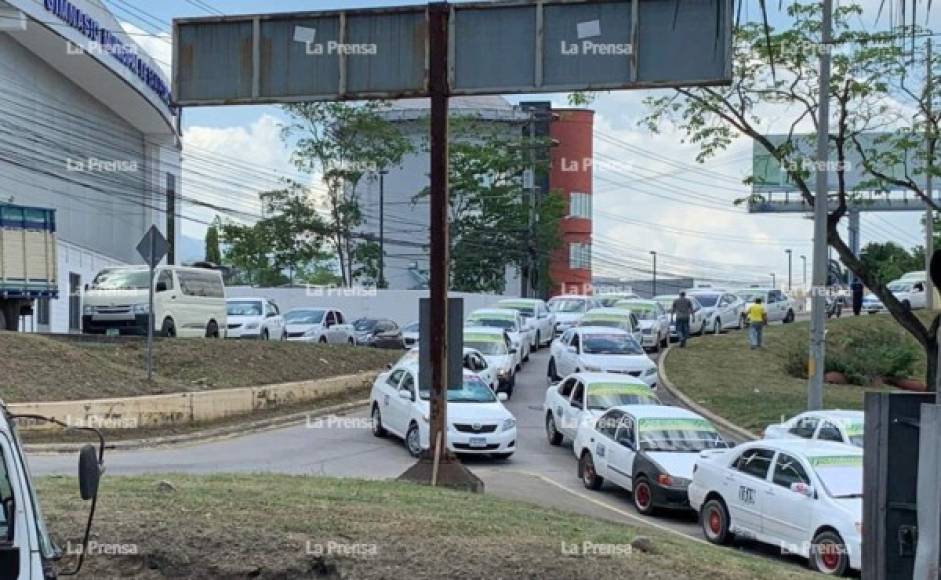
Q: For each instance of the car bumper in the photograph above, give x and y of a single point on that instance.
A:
(246, 334)
(303, 338)
(498, 442)
(135, 326)
(670, 497)
(650, 340)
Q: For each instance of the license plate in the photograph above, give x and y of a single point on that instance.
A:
(478, 441)
(112, 332)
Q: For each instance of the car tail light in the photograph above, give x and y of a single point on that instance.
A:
(663, 479)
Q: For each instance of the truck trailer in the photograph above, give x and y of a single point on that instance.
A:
(27, 261)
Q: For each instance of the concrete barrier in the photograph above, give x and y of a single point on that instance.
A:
(186, 408)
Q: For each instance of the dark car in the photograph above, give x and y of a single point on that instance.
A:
(378, 333)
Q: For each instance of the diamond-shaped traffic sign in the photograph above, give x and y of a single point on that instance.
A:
(153, 247)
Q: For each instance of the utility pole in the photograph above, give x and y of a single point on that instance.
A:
(804, 267)
(821, 202)
(789, 252)
(382, 228)
(774, 281)
(929, 214)
(654, 254)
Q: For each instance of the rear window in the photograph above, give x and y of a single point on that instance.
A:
(206, 284)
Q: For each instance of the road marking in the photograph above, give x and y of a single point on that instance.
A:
(596, 501)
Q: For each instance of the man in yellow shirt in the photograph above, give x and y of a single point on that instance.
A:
(757, 319)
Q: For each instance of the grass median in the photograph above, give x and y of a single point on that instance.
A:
(753, 388)
(285, 527)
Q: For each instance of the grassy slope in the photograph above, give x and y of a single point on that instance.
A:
(260, 525)
(751, 387)
(37, 368)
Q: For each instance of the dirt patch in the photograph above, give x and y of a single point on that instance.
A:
(284, 527)
(38, 368)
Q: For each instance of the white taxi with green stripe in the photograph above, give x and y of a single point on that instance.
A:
(837, 426)
(582, 395)
(614, 318)
(507, 320)
(539, 320)
(500, 355)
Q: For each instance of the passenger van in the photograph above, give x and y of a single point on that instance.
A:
(188, 302)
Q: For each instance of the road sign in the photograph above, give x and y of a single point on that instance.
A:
(495, 48)
(153, 247)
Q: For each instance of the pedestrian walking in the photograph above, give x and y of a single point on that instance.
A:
(757, 319)
(857, 288)
(682, 310)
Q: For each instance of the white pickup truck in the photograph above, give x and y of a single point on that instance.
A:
(27, 552)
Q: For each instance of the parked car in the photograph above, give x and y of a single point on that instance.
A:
(721, 310)
(378, 333)
(649, 450)
(478, 423)
(653, 320)
(804, 496)
(254, 318)
(697, 322)
(474, 361)
(872, 304)
(780, 306)
(835, 426)
(325, 325)
(609, 300)
(910, 292)
(582, 395)
(614, 318)
(569, 309)
(188, 302)
(596, 349)
(410, 334)
(498, 351)
(508, 320)
(537, 318)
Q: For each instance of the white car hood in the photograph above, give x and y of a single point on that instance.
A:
(625, 362)
(499, 361)
(243, 319)
(568, 317)
(675, 463)
(645, 324)
(474, 412)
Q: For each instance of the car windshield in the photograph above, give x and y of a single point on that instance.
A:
(841, 475)
(605, 321)
(610, 344)
(364, 324)
(491, 347)
(567, 305)
(411, 327)
(749, 296)
(243, 308)
(524, 309)
(121, 280)
(473, 390)
(899, 287)
(491, 322)
(610, 300)
(682, 435)
(603, 397)
(707, 300)
(642, 311)
(304, 316)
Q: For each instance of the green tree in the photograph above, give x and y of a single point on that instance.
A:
(213, 253)
(866, 76)
(345, 143)
(888, 261)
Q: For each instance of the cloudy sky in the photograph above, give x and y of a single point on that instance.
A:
(650, 194)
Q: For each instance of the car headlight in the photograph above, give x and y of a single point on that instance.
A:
(670, 481)
(509, 424)
(141, 308)
(312, 332)
(251, 326)
(650, 372)
(88, 309)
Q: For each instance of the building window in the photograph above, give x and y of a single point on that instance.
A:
(42, 311)
(579, 256)
(579, 205)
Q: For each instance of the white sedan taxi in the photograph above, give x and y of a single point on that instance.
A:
(478, 423)
(474, 361)
(653, 320)
(589, 395)
(501, 356)
(649, 450)
(597, 349)
(836, 425)
(805, 496)
(509, 321)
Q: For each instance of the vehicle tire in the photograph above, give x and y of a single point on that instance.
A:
(714, 518)
(789, 317)
(168, 329)
(502, 456)
(323, 340)
(413, 440)
(538, 340)
(526, 358)
(552, 373)
(717, 327)
(665, 342)
(586, 471)
(643, 496)
(552, 433)
(377, 429)
(212, 330)
(828, 554)
(510, 385)
(352, 342)
(265, 335)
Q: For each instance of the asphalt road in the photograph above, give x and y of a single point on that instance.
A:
(343, 446)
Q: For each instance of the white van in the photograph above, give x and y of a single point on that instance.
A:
(909, 289)
(188, 302)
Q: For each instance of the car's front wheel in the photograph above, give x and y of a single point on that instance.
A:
(586, 470)
(552, 433)
(413, 440)
(714, 517)
(643, 496)
(717, 326)
(828, 554)
(552, 373)
(377, 429)
(789, 317)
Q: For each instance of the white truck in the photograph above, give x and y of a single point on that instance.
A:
(27, 261)
(27, 552)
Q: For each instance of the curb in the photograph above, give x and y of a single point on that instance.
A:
(206, 434)
(722, 422)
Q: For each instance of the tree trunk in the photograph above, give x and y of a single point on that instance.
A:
(931, 364)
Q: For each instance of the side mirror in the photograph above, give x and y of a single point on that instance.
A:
(89, 472)
(160, 287)
(503, 397)
(803, 489)
(405, 394)
(271, 315)
(571, 348)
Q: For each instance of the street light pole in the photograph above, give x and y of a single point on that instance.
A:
(821, 201)
(382, 229)
(804, 266)
(774, 282)
(789, 253)
(654, 254)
